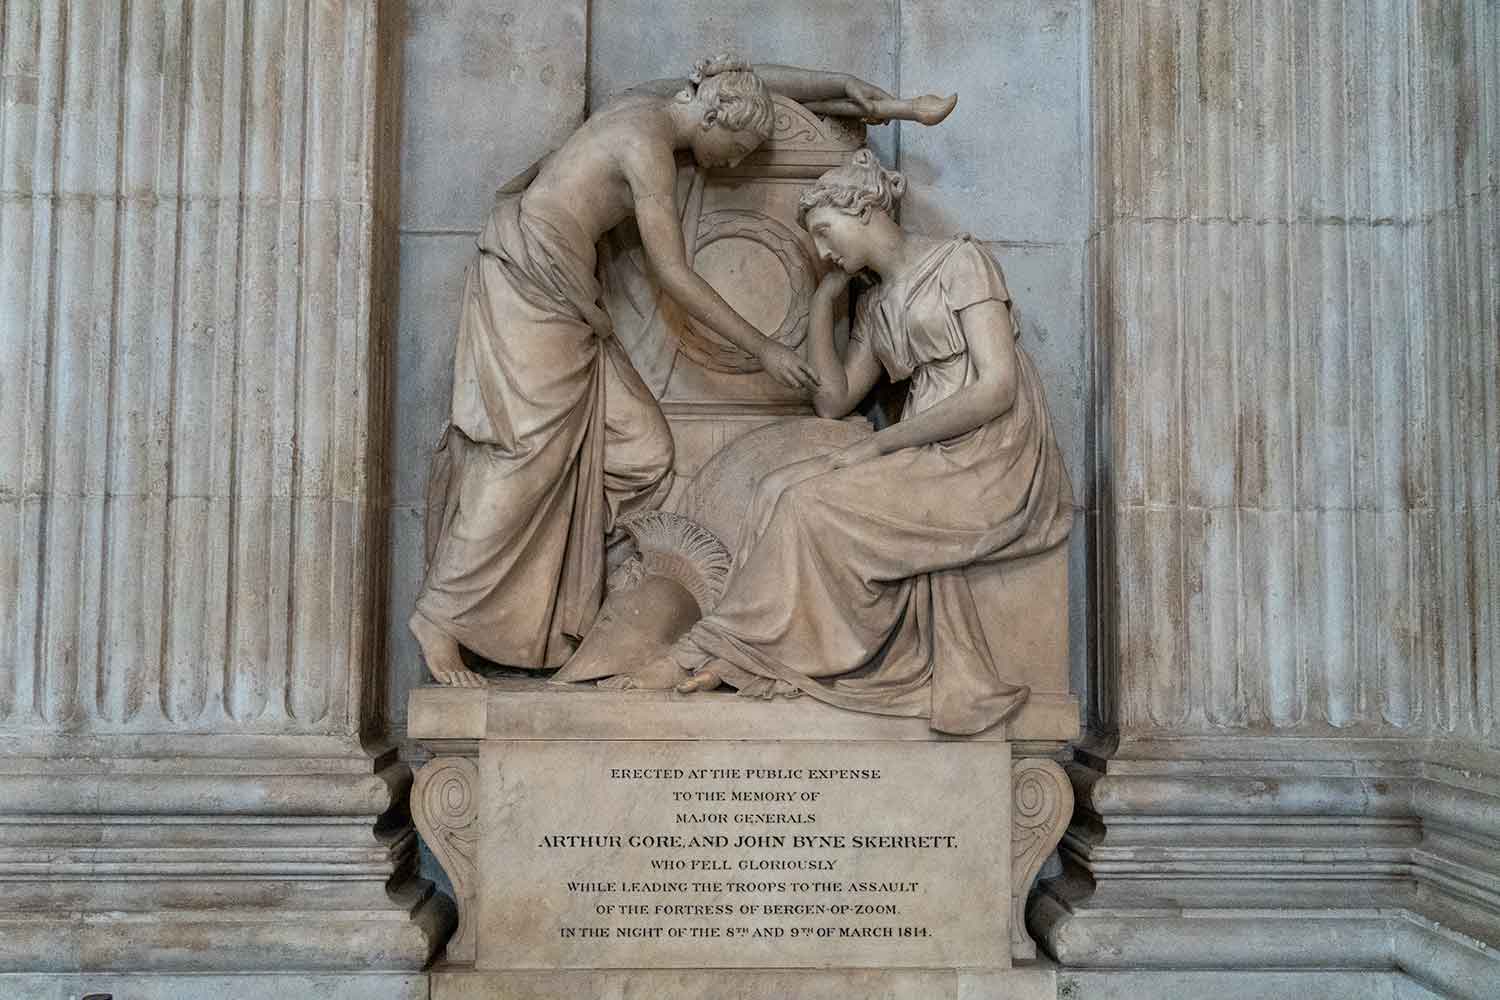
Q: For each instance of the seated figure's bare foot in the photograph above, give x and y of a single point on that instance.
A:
(444, 659)
(661, 674)
(705, 679)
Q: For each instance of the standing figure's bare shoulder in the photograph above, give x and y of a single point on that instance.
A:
(648, 163)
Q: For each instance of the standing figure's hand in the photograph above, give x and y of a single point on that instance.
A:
(599, 319)
(783, 364)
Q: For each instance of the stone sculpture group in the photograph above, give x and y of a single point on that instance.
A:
(556, 538)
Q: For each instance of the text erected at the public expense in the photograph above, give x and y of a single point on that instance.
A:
(735, 846)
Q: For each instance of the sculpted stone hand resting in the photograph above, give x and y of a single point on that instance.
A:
(553, 436)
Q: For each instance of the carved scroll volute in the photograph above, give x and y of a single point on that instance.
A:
(446, 810)
(1041, 805)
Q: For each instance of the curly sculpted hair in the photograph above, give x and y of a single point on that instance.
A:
(859, 188)
(742, 101)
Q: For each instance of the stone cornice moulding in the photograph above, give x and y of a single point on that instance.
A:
(175, 788)
(524, 708)
(1308, 864)
(1400, 940)
(240, 865)
(1144, 752)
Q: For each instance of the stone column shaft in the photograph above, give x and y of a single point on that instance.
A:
(188, 214)
(197, 230)
(1295, 293)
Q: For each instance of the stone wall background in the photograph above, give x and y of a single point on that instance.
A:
(490, 86)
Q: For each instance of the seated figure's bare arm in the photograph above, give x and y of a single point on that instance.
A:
(843, 382)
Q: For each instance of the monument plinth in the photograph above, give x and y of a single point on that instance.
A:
(592, 835)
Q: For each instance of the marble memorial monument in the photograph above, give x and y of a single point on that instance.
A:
(795, 685)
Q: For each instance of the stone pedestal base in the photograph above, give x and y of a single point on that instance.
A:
(590, 833)
(190, 864)
(1035, 982)
(1193, 858)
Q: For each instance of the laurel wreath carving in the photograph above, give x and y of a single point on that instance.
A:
(779, 238)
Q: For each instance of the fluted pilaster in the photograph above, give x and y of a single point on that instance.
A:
(196, 239)
(1296, 295)
(189, 449)
(1295, 292)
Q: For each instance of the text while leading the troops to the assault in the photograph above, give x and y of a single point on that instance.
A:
(735, 846)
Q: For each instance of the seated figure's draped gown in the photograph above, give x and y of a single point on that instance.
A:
(552, 437)
(849, 583)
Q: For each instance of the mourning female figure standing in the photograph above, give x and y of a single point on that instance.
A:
(849, 583)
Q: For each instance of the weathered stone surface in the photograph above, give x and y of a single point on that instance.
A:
(263, 986)
(432, 280)
(445, 806)
(1050, 287)
(191, 447)
(1241, 984)
(457, 807)
(489, 88)
(1012, 165)
(1041, 806)
(184, 863)
(1294, 599)
(1296, 313)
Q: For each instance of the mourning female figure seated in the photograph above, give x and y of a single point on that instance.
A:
(848, 583)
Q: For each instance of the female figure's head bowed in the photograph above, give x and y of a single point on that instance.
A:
(848, 207)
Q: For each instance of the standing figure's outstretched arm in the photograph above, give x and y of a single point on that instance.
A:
(652, 178)
(837, 93)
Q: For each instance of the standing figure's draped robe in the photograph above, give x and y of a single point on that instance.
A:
(552, 437)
